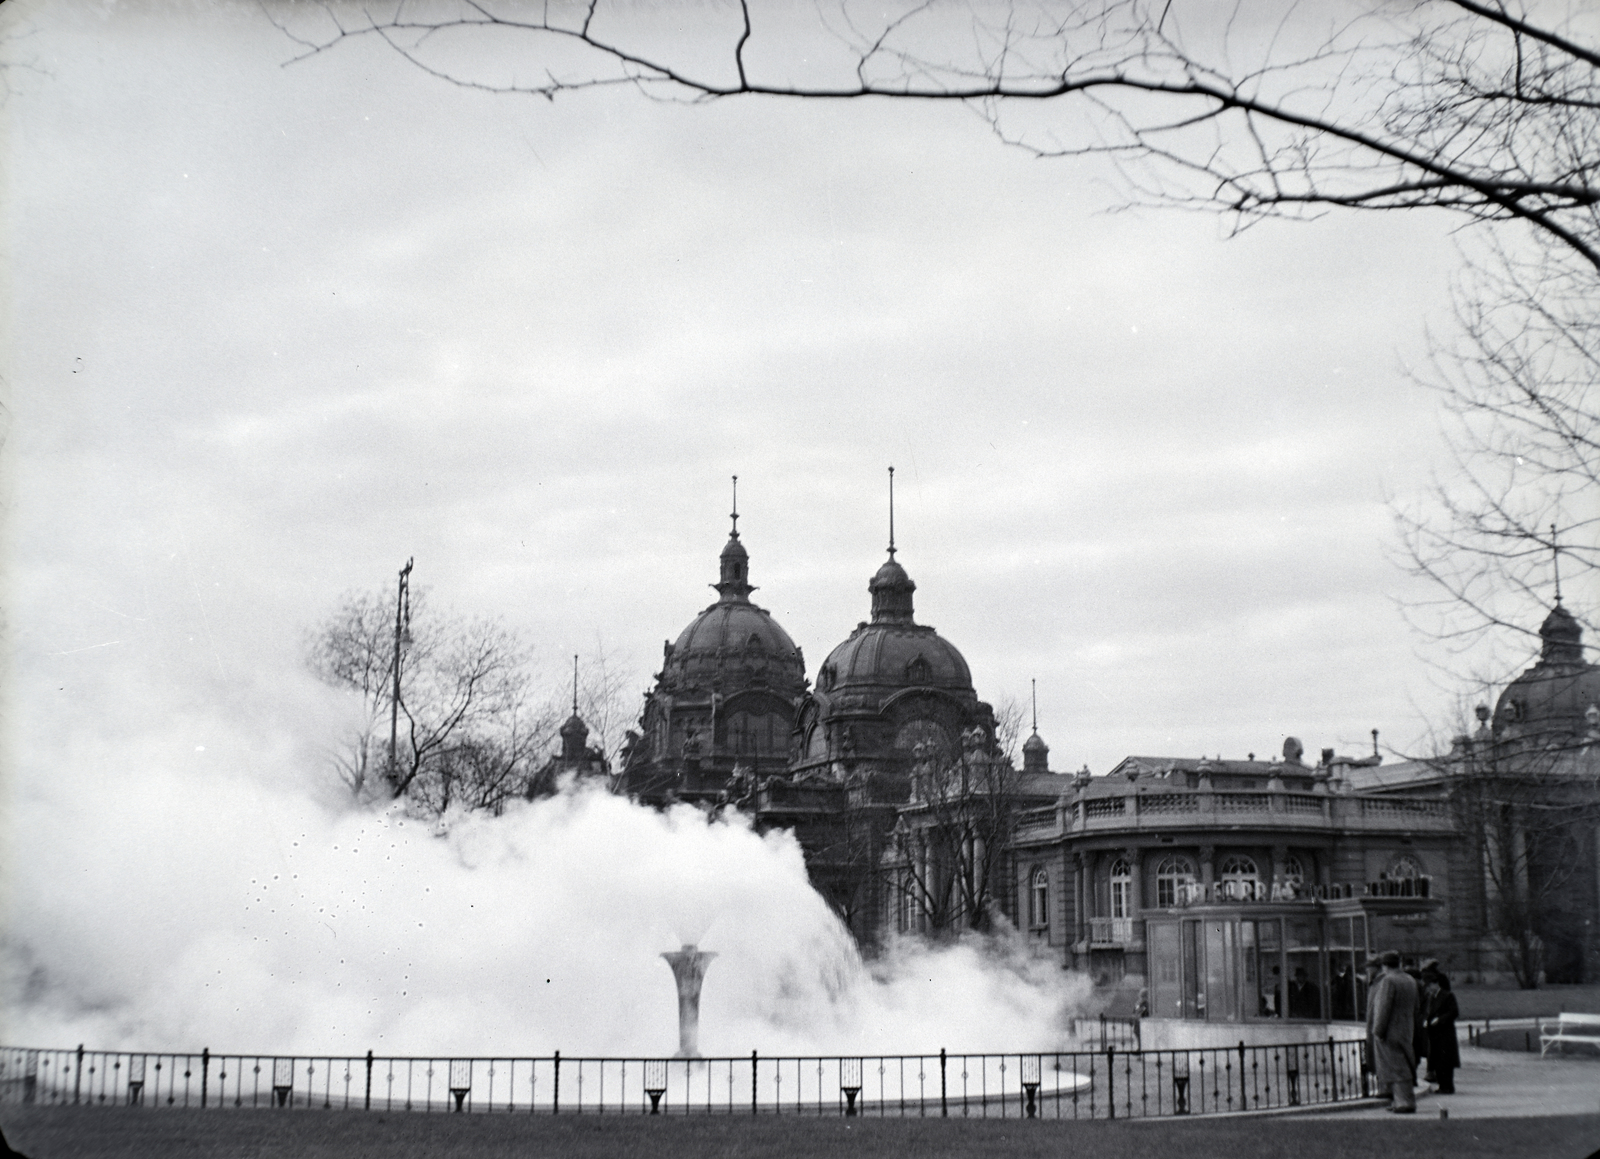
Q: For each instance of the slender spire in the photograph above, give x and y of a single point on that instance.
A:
(733, 583)
(1555, 553)
(1035, 753)
(891, 512)
(574, 734)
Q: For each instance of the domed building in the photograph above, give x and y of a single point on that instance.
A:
(892, 702)
(724, 701)
(1551, 700)
(1530, 812)
(577, 760)
(891, 686)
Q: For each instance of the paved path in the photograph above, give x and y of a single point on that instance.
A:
(1503, 1084)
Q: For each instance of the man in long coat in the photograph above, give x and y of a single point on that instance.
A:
(1391, 1027)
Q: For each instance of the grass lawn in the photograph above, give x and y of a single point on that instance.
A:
(87, 1133)
(1509, 1002)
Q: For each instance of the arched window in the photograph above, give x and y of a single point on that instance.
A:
(1292, 884)
(1172, 875)
(1405, 868)
(1121, 887)
(1039, 899)
(1239, 877)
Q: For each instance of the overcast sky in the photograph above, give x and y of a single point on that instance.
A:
(274, 328)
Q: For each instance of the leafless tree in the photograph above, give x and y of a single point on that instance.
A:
(1519, 391)
(465, 731)
(1474, 106)
(1489, 109)
(605, 700)
(951, 857)
(1531, 810)
(1010, 719)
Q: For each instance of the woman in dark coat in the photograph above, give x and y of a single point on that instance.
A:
(1439, 1017)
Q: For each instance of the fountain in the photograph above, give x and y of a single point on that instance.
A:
(689, 971)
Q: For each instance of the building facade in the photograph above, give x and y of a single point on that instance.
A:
(1214, 889)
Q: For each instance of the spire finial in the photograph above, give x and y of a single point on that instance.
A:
(1035, 685)
(891, 512)
(574, 684)
(1555, 552)
(736, 507)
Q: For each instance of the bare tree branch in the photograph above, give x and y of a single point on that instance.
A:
(1469, 106)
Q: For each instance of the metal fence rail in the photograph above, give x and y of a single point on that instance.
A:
(1090, 1084)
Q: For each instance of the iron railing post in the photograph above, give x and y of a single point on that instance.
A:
(367, 1104)
(205, 1075)
(77, 1075)
(944, 1103)
(753, 1060)
(1111, 1082)
(555, 1099)
(1333, 1068)
(1244, 1097)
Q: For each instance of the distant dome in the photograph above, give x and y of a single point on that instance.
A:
(733, 643)
(1553, 696)
(733, 626)
(900, 655)
(893, 650)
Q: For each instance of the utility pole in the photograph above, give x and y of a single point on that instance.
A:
(402, 635)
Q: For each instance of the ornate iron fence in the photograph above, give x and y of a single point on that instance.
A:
(1098, 1084)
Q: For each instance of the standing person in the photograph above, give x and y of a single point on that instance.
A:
(1441, 1012)
(1391, 1027)
(1343, 994)
(1305, 998)
(1419, 1038)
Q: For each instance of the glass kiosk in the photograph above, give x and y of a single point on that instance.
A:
(1235, 962)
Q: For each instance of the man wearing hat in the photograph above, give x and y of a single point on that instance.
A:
(1391, 1027)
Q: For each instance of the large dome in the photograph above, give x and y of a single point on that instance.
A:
(1552, 696)
(896, 655)
(733, 626)
(733, 643)
(894, 651)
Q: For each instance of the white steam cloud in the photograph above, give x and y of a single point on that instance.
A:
(170, 907)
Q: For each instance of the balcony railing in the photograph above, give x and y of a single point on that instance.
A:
(1111, 931)
(1037, 818)
(1179, 808)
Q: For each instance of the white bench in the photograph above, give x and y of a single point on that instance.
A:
(1580, 1028)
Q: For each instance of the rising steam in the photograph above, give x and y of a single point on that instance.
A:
(181, 908)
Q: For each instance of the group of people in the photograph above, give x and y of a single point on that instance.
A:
(1411, 1016)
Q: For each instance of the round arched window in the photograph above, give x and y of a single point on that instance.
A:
(1238, 868)
(1121, 887)
(1173, 875)
(1039, 899)
(1405, 868)
(1239, 877)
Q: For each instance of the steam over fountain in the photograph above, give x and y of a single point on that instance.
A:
(689, 971)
